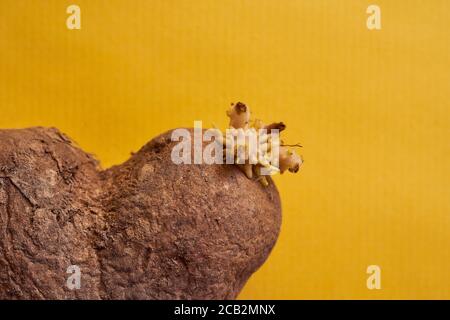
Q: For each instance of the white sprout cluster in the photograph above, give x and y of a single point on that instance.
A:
(270, 156)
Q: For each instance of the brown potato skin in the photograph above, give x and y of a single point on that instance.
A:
(146, 229)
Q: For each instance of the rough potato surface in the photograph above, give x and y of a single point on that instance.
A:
(146, 229)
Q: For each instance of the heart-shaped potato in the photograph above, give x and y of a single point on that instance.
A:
(146, 229)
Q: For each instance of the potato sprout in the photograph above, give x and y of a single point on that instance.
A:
(258, 165)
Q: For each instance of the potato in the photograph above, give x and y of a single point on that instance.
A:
(146, 229)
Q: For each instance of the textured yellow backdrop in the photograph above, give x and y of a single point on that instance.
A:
(370, 107)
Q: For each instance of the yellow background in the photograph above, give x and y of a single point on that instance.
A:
(370, 107)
